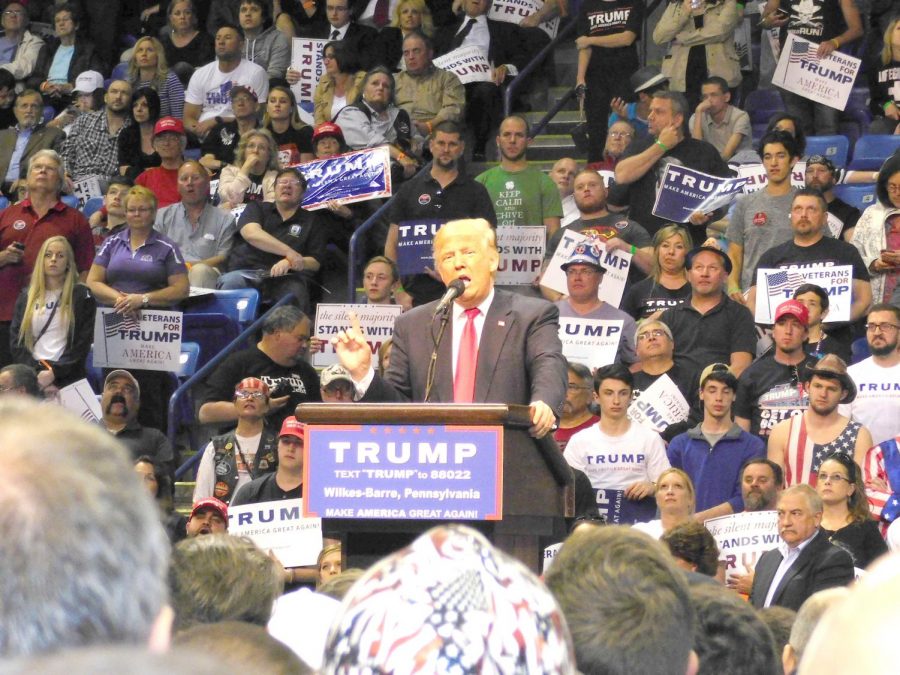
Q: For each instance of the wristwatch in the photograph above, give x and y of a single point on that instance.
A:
(145, 300)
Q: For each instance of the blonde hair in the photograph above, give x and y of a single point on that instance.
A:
(162, 66)
(296, 122)
(887, 53)
(37, 292)
(427, 26)
(324, 553)
(241, 152)
(688, 484)
(670, 230)
(140, 192)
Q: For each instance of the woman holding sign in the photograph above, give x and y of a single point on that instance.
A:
(53, 322)
(137, 269)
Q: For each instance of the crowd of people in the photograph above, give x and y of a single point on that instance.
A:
(194, 137)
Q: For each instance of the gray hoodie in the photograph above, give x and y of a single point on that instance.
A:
(271, 50)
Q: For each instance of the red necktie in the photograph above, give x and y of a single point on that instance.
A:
(380, 16)
(464, 382)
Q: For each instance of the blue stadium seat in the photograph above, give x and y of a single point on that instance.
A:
(190, 357)
(70, 200)
(761, 104)
(120, 72)
(4, 202)
(94, 374)
(192, 153)
(241, 305)
(860, 196)
(859, 350)
(871, 151)
(91, 206)
(212, 331)
(834, 148)
(49, 113)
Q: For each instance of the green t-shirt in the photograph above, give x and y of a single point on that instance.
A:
(522, 197)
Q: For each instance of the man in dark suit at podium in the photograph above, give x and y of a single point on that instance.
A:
(499, 347)
(805, 560)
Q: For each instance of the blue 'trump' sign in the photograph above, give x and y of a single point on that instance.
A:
(403, 472)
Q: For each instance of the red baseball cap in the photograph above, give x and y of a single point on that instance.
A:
(211, 503)
(291, 427)
(793, 308)
(327, 129)
(168, 125)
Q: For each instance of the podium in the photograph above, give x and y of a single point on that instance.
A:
(538, 485)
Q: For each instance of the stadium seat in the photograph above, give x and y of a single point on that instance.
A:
(120, 72)
(834, 148)
(190, 357)
(859, 350)
(871, 151)
(70, 200)
(762, 104)
(192, 153)
(91, 206)
(241, 305)
(4, 202)
(212, 331)
(860, 196)
(49, 113)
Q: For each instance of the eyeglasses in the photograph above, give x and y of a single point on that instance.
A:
(656, 332)
(620, 134)
(883, 327)
(244, 395)
(893, 188)
(13, 12)
(832, 478)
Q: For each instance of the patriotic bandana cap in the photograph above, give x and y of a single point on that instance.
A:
(449, 603)
(252, 384)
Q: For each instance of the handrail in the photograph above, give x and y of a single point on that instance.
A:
(533, 65)
(545, 120)
(212, 363)
(365, 227)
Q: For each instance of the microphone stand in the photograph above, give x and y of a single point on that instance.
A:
(432, 364)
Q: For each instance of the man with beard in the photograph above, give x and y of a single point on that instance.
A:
(120, 403)
(877, 405)
(842, 217)
(713, 452)
(762, 219)
(584, 273)
(440, 195)
(92, 146)
(810, 246)
(770, 391)
(615, 230)
(800, 443)
(522, 195)
(209, 516)
(576, 412)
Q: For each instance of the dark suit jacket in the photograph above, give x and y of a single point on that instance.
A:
(362, 40)
(820, 565)
(508, 42)
(42, 138)
(519, 356)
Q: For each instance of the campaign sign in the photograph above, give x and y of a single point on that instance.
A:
(757, 178)
(469, 64)
(86, 188)
(619, 510)
(685, 191)
(404, 472)
(150, 342)
(590, 342)
(521, 254)
(280, 528)
(352, 177)
(827, 80)
(617, 264)
(550, 554)
(742, 538)
(414, 245)
(513, 11)
(659, 406)
(774, 286)
(306, 57)
(376, 321)
(81, 400)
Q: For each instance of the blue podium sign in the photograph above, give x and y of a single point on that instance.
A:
(403, 472)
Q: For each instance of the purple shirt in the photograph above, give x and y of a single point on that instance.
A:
(146, 269)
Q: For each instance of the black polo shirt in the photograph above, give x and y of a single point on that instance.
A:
(264, 489)
(302, 232)
(423, 199)
(702, 339)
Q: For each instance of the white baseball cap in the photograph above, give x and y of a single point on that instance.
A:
(88, 82)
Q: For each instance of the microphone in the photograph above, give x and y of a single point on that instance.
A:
(454, 289)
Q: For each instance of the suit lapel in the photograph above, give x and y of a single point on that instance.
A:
(494, 333)
(443, 385)
(806, 555)
(766, 576)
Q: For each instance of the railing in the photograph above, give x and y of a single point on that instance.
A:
(533, 65)
(356, 238)
(213, 362)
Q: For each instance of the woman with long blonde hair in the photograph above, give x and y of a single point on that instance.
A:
(147, 67)
(667, 286)
(53, 321)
